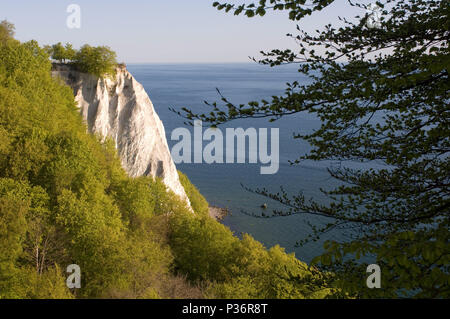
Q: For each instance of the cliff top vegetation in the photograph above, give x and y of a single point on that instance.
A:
(100, 61)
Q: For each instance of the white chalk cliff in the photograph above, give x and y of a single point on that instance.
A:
(121, 109)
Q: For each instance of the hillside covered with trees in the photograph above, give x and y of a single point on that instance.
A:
(65, 199)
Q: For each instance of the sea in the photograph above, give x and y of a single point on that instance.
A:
(190, 85)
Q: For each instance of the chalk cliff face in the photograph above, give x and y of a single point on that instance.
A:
(121, 109)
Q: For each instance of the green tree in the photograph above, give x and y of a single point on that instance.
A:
(6, 31)
(58, 52)
(382, 95)
(61, 53)
(70, 52)
(12, 235)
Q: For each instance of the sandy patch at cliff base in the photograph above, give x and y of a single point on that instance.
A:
(218, 213)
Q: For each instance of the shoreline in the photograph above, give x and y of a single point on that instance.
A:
(218, 213)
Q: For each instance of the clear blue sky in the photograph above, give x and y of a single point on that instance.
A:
(160, 31)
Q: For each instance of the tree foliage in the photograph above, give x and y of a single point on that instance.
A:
(6, 31)
(61, 53)
(382, 95)
(206, 250)
(100, 61)
(198, 202)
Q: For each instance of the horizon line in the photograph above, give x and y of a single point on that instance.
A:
(190, 62)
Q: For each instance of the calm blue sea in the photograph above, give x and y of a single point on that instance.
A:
(188, 85)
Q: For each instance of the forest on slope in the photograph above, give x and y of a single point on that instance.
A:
(65, 199)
